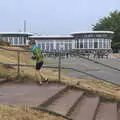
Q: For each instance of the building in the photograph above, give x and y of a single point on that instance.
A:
(54, 43)
(15, 38)
(82, 41)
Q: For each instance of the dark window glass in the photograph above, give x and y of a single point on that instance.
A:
(81, 43)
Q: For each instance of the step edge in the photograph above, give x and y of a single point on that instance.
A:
(75, 104)
(53, 97)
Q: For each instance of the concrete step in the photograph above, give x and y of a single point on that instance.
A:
(107, 111)
(30, 94)
(86, 108)
(64, 103)
(59, 89)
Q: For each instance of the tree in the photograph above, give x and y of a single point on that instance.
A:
(111, 23)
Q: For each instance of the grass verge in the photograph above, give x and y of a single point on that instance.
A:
(25, 113)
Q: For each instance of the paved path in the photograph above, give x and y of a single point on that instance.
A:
(92, 68)
(27, 94)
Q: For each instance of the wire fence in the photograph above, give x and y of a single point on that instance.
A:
(18, 63)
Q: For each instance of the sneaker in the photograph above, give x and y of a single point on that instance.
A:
(40, 83)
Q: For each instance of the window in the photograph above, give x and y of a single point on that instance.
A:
(43, 46)
(70, 46)
(39, 45)
(15, 41)
(98, 35)
(57, 46)
(66, 46)
(85, 43)
(95, 44)
(90, 35)
(105, 43)
(100, 43)
(51, 46)
(20, 40)
(90, 43)
(77, 43)
(81, 43)
(11, 41)
(47, 46)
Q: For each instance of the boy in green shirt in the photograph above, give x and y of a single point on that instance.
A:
(38, 56)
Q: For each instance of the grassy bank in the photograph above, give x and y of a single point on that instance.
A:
(25, 113)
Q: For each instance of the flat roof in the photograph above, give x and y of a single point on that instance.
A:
(15, 33)
(89, 32)
(52, 37)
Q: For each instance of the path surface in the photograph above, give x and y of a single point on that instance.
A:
(92, 68)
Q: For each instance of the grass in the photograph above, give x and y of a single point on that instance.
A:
(25, 113)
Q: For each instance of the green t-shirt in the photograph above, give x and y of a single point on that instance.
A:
(37, 54)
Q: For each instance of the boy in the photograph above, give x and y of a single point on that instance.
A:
(38, 56)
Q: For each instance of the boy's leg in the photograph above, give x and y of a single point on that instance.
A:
(43, 77)
(38, 77)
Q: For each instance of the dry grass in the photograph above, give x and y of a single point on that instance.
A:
(24, 113)
(116, 55)
(11, 56)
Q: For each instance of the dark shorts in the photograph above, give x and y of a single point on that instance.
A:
(39, 65)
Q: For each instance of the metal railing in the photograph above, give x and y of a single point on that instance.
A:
(58, 65)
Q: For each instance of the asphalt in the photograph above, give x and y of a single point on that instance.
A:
(91, 68)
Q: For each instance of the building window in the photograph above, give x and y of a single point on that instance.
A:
(20, 40)
(47, 46)
(95, 44)
(77, 43)
(43, 46)
(39, 45)
(105, 43)
(90, 35)
(11, 40)
(15, 41)
(90, 43)
(100, 43)
(51, 46)
(66, 46)
(57, 47)
(70, 46)
(81, 43)
(85, 43)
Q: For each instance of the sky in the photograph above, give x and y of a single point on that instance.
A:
(48, 17)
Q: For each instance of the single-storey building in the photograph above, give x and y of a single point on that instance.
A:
(88, 40)
(15, 38)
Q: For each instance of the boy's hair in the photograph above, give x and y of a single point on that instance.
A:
(32, 42)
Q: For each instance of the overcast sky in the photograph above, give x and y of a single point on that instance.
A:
(53, 16)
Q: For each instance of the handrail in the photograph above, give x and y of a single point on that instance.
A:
(68, 68)
(14, 50)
